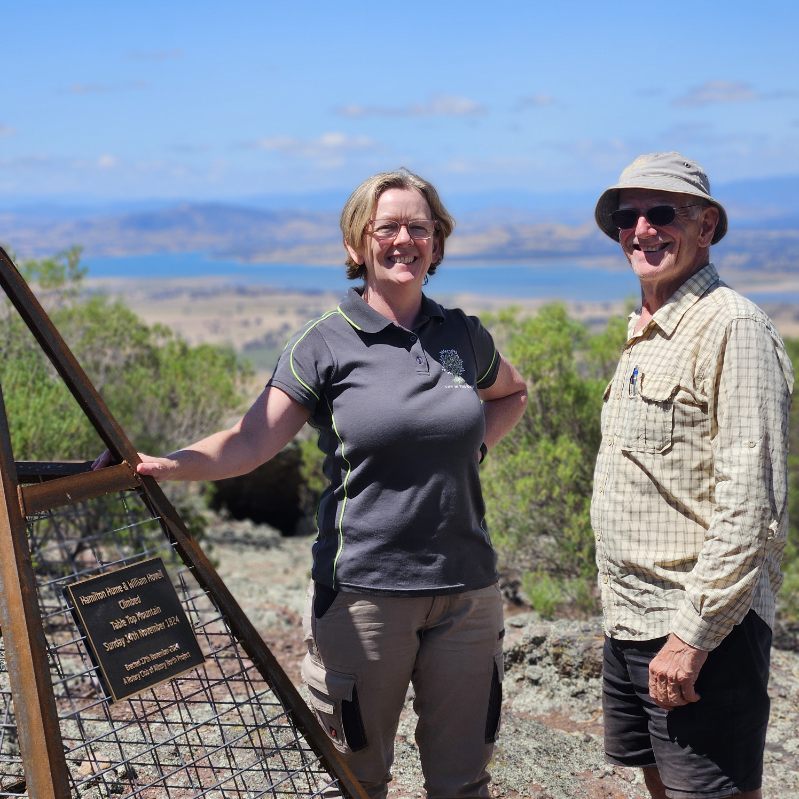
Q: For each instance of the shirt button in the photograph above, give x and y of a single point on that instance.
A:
(413, 337)
(418, 359)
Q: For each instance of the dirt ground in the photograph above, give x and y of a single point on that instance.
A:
(550, 746)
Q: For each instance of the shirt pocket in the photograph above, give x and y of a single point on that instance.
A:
(649, 417)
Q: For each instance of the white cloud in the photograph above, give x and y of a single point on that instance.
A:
(27, 162)
(106, 161)
(593, 148)
(6, 130)
(188, 148)
(331, 145)
(536, 101)
(449, 106)
(106, 88)
(440, 105)
(726, 91)
(460, 166)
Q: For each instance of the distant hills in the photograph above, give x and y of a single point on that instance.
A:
(303, 229)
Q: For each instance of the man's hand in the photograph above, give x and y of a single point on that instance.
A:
(673, 673)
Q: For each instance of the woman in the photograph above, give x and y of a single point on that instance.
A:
(407, 397)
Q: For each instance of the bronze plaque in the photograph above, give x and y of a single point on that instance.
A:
(137, 631)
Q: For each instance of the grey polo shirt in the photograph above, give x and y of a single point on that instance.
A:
(400, 424)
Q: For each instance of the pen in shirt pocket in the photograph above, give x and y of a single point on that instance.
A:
(632, 387)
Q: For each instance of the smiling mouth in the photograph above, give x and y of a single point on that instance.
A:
(658, 248)
(403, 259)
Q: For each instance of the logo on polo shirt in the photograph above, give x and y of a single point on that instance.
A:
(452, 364)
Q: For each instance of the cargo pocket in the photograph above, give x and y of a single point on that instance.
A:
(649, 415)
(494, 715)
(334, 699)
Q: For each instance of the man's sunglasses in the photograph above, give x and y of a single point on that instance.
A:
(626, 218)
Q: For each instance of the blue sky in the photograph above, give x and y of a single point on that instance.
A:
(210, 101)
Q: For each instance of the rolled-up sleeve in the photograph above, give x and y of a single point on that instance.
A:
(752, 384)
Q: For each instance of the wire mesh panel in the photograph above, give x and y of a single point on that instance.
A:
(233, 726)
(12, 776)
(217, 730)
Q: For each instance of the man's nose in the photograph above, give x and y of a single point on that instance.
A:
(643, 227)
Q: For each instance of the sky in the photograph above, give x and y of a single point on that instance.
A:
(123, 101)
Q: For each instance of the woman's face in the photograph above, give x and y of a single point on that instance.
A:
(402, 260)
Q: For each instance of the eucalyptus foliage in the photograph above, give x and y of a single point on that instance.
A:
(537, 481)
(163, 391)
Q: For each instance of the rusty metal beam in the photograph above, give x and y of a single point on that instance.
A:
(38, 727)
(62, 491)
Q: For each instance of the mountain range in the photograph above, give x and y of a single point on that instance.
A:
(303, 229)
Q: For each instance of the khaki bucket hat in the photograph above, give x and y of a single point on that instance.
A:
(661, 172)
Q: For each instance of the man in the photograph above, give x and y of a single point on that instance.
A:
(689, 505)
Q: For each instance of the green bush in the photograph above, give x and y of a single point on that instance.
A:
(544, 592)
(789, 594)
(537, 481)
(163, 391)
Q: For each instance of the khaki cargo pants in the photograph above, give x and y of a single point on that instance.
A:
(363, 652)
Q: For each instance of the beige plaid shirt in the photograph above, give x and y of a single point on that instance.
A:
(689, 505)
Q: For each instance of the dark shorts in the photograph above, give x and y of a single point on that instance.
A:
(708, 749)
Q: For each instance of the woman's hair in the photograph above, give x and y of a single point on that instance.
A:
(360, 206)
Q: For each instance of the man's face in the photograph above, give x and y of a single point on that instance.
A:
(663, 257)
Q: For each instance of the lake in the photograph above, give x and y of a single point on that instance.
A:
(562, 279)
(555, 279)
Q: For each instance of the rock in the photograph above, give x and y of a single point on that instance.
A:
(550, 744)
(243, 532)
(572, 649)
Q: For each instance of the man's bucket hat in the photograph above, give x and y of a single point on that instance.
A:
(660, 172)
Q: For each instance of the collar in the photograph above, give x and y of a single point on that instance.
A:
(668, 316)
(363, 317)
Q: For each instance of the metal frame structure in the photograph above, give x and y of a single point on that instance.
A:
(28, 658)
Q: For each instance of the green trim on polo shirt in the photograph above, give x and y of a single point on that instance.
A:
(344, 370)
(487, 371)
(348, 319)
(344, 484)
(310, 327)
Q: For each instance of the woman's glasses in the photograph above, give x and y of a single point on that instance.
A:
(659, 215)
(388, 229)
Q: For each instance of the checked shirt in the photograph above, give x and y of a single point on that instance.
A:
(689, 504)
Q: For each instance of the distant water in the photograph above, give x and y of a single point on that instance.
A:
(545, 279)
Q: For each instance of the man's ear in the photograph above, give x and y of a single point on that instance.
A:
(707, 225)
